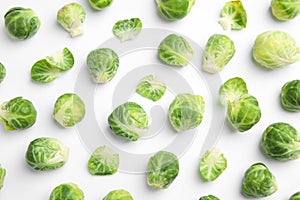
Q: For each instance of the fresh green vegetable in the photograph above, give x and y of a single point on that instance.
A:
(209, 197)
(2, 176)
(186, 112)
(67, 191)
(17, 114)
(43, 72)
(163, 168)
(103, 161)
(127, 29)
(71, 17)
(290, 96)
(173, 10)
(69, 110)
(212, 165)
(243, 110)
(62, 59)
(2, 72)
(21, 23)
(284, 10)
(281, 141)
(151, 88)
(233, 15)
(258, 181)
(218, 52)
(103, 64)
(174, 50)
(100, 4)
(231, 90)
(295, 196)
(118, 195)
(46, 154)
(275, 49)
(129, 120)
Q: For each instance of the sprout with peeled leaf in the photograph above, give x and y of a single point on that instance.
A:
(118, 195)
(290, 96)
(285, 10)
(100, 4)
(67, 191)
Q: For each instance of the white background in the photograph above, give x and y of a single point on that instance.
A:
(241, 149)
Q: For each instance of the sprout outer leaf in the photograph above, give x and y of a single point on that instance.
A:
(43, 72)
(151, 88)
(63, 59)
(127, 29)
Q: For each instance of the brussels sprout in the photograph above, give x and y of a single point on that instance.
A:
(233, 15)
(100, 4)
(62, 59)
(231, 90)
(2, 176)
(295, 196)
(212, 164)
(127, 29)
(244, 113)
(129, 120)
(209, 197)
(21, 23)
(103, 64)
(71, 17)
(258, 181)
(67, 191)
(69, 109)
(151, 88)
(43, 72)
(103, 161)
(290, 96)
(18, 113)
(186, 112)
(2, 72)
(118, 195)
(218, 52)
(275, 49)
(46, 154)
(281, 141)
(163, 168)
(174, 50)
(173, 10)
(284, 10)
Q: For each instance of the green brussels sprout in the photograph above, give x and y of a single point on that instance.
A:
(67, 191)
(151, 88)
(2, 72)
(231, 90)
(174, 50)
(17, 114)
(100, 4)
(233, 15)
(62, 59)
(103, 65)
(275, 49)
(69, 110)
(295, 196)
(163, 168)
(209, 197)
(290, 96)
(173, 10)
(127, 29)
(43, 72)
(281, 141)
(186, 112)
(2, 176)
(46, 154)
(218, 52)
(129, 120)
(212, 165)
(258, 181)
(284, 10)
(71, 17)
(244, 113)
(21, 23)
(118, 195)
(103, 161)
